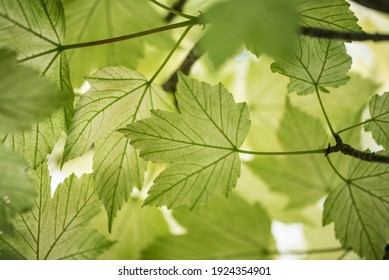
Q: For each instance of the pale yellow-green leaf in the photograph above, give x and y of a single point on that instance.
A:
(56, 228)
(359, 207)
(200, 144)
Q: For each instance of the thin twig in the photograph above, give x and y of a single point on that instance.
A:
(186, 23)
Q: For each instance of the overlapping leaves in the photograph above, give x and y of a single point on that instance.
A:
(34, 29)
(225, 229)
(319, 63)
(118, 96)
(360, 209)
(25, 98)
(55, 228)
(95, 20)
(316, 63)
(200, 144)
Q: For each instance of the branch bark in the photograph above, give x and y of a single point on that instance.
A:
(378, 5)
(342, 35)
(348, 150)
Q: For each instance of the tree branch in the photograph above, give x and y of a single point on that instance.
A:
(378, 5)
(178, 6)
(348, 150)
(342, 35)
(195, 53)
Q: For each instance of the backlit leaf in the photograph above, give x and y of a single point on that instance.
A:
(328, 14)
(55, 228)
(360, 209)
(118, 96)
(379, 124)
(225, 229)
(35, 29)
(200, 144)
(316, 63)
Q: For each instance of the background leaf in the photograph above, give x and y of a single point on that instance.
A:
(25, 97)
(316, 63)
(265, 26)
(134, 229)
(200, 144)
(303, 178)
(225, 229)
(360, 209)
(55, 228)
(379, 124)
(16, 190)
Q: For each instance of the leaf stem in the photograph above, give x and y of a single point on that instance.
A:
(354, 126)
(191, 22)
(171, 10)
(170, 54)
(320, 151)
(336, 170)
(324, 112)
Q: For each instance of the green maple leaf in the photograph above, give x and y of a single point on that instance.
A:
(328, 14)
(360, 209)
(118, 96)
(316, 63)
(200, 144)
(224, 229)
(55, 228)
(379, 122)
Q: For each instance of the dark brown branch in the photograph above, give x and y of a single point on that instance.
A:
(342, 35)
(178, 6)
(195, 53)
(378, 5)
(348, 150)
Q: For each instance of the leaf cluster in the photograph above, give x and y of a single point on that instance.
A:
(299, 97)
